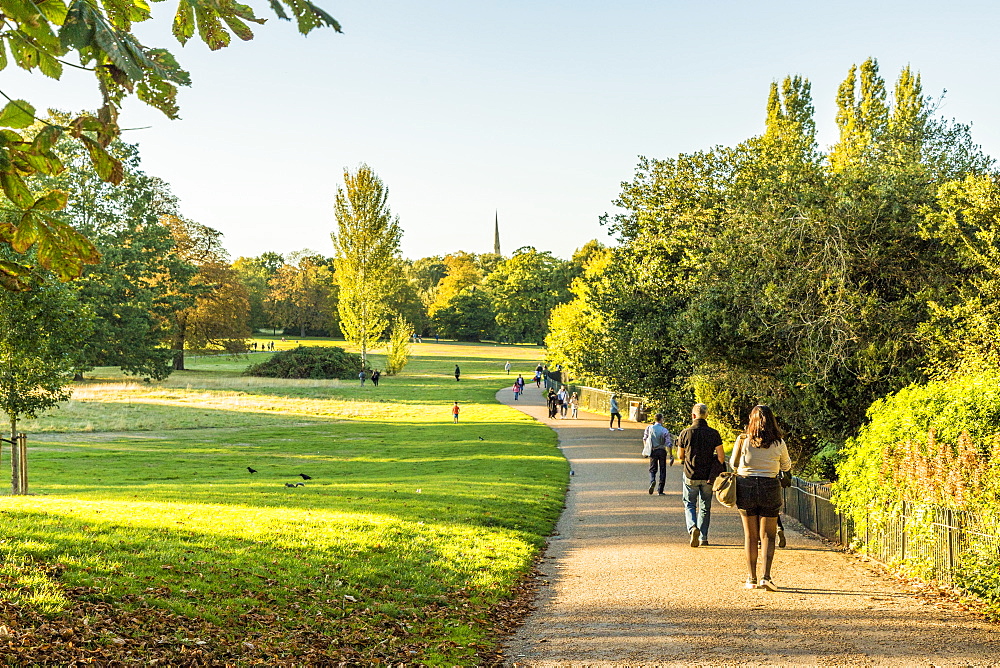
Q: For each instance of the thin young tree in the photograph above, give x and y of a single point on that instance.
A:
(366, 249)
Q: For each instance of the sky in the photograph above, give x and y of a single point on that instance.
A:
(533, 112)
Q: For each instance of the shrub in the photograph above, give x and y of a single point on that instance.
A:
(309, 362)
(929, 447)
(397, 350)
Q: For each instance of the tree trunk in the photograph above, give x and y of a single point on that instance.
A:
(15, 459)
(302, 331)
(178, 343)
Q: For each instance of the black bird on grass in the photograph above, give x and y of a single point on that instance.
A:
(305, 477)
(289, 484)
(481, 438)
(300, 484)
(251, 470)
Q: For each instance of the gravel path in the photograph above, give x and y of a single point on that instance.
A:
(621, 586)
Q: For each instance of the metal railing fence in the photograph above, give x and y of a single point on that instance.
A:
(931, 542)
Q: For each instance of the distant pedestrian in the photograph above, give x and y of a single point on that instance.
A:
(552, 402)
(660, 445)
(574, 403)
(437, 339)
(507, 368)
(538, 378)
(758, 456)
(376, 374)
(615, 413)
(362, 376)
(517, 391)
(563, 397)
(458, 372)
(454, 412)
(698, 446)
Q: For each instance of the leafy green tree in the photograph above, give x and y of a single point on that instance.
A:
(255, 274)
(397, 348)
(366, 246)
(524, 289)
(39, 38)
(125, 288)
(773, 271)
(302, 296)
(461, 272)
(211, 305)
(41, 332)
(468, 316)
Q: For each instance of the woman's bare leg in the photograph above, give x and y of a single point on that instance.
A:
(768, 529)
(751, 535)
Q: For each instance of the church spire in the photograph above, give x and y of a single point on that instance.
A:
(496, 233)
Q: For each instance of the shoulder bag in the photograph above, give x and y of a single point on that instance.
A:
(725, 484)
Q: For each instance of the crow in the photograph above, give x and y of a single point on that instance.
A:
(251, 470)
(305, 477)
(300, 484)
(481, 438)
(289, 484)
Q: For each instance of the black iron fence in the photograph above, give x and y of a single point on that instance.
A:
(931, 542)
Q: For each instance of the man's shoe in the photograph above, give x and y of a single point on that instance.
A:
(751, 583)
(695, 535)
(611, 429)
(621, 428)
(767, 584)
(703, 542)
(781, 538)
(662, 493)
(652, 486)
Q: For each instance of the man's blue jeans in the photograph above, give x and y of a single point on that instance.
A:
(698, 505)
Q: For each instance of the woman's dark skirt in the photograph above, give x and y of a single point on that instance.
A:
(758, 496)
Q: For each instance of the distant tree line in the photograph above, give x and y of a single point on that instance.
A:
(162, 284)
(817, 281)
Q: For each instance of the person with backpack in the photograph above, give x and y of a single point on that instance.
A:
(659, 441)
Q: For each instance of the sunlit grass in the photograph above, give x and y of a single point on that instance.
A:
(142, 493)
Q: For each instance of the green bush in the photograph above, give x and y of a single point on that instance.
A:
(309, 362)
(968, 404)
(928, 447)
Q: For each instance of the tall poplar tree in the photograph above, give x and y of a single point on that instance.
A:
(366, 248)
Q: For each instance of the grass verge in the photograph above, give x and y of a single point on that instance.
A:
(408, 533)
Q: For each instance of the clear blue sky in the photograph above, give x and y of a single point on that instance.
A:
(536, 110)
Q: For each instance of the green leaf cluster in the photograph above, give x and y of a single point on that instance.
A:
(39, 36)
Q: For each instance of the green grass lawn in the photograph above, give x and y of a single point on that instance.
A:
(411, 530)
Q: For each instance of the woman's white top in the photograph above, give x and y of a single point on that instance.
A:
(759, 462)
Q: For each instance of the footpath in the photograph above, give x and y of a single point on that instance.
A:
(621, 586)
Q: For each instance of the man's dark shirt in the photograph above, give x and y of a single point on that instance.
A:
(699, 442)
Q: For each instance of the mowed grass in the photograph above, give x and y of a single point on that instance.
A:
(409, 533)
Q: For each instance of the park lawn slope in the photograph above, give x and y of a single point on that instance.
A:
(409, 532)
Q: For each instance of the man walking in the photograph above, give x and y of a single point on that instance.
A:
(697, 446)
(507, 368)
(660, 444)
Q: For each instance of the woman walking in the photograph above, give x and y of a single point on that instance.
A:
(757, 457)
(574, 403)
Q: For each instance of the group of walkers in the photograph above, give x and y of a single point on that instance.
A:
(559, 403)
(374, 377)
(758, 457)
